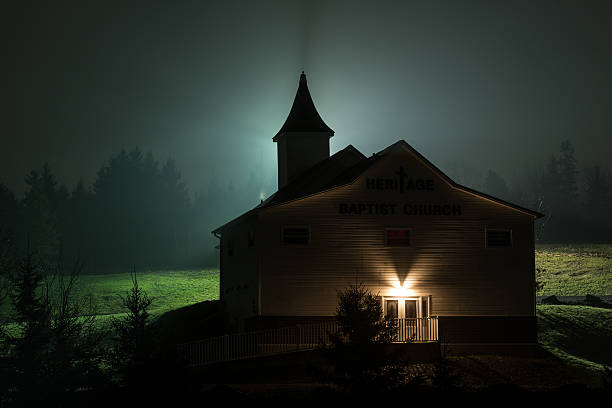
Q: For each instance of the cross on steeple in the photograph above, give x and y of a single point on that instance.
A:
(401, 174)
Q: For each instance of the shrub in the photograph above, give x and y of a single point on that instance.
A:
(361, 357)
(134, 347)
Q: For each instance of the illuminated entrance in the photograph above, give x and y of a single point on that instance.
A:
(406, 307)
(412, 317)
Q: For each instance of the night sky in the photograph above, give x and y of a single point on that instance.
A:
(471, 85)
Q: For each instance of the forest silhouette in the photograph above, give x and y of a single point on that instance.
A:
(140, 212)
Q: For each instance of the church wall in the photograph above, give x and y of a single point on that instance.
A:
(239, 285)
(448, 260)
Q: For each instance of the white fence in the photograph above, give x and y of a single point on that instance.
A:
(417, 330)
(289, 339)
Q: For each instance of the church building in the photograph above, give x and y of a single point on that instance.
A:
(394, 222)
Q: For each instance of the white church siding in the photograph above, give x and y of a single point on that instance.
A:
(348, 203)
(448, 259)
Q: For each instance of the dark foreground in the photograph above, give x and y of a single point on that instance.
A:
(302, 379)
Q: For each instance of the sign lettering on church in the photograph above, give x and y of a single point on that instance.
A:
(401, 183)
(413, 209)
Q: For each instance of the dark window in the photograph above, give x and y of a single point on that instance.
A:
(251, 238)
(411, 309)
(424, 310)
(397, 237)
(296, 235)
(391, 306)
(499, 238)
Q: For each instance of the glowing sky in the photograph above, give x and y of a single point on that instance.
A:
(471, 85)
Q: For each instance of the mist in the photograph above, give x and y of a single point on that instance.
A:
(473, 86)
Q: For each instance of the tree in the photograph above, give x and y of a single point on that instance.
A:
(58, 347)
(134, 346)
(495, 185)
(9, 226)
(360, 357)
(143, 212)
(41, 205)
(598, 191)
(360, 316)
(568, 186)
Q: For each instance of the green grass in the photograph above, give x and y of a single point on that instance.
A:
(574, 270)
(169, 289)
(580, 335)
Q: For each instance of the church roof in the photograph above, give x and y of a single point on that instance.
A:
(303, 116)
(344, 167)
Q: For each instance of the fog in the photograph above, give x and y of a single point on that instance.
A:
(473, 86)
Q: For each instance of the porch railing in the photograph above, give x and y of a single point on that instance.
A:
(258, 343)
(417, 330)
(289, 339)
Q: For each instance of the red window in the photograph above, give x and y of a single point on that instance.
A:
(398, 237)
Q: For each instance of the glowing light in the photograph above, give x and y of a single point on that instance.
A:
(401, 289)
(262, 195)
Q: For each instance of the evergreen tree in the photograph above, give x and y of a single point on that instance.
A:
(58, 348)
(41, 206)
(9, 229)
(568, 187)
(360, 316)
(496, 186)
(135, 347)
(359, 358)
(598, 194)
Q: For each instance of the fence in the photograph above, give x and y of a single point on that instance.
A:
(417, 330)
(288, 339)
(259, 343)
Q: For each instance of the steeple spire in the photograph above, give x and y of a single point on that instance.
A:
(303, 116)
(303, 141)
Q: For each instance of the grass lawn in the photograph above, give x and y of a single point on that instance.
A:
(580, 335)
(169, 289)
(574, 270)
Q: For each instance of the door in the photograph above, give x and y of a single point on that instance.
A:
(391, 308)
(411, 308)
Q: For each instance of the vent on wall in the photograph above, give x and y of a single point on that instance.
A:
(296, 235)
(499, 238)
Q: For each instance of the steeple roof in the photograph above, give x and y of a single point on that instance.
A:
(303, 116)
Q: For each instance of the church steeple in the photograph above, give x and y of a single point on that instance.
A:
(303, 116)
(303, 140)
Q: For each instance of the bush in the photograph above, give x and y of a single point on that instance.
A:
(361, 356)
(56, 347)
(135, 347)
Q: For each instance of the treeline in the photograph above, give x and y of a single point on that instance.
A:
(136, 212)
(139, 212)
(576, 201)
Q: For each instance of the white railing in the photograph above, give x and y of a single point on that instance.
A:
(259, 343)
(289, 339)
(417, 330)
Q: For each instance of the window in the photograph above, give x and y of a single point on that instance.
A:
(251, 238)
(499, 238)
(296, 235)
(397, 237)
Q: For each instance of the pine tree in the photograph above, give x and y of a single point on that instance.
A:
(58, 348)
(568, 187)
(134, 348)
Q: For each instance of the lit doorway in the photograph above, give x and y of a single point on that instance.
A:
(410, 314)
(406, 307)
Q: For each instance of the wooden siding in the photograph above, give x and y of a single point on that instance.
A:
(239, 285)
(448, 259)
